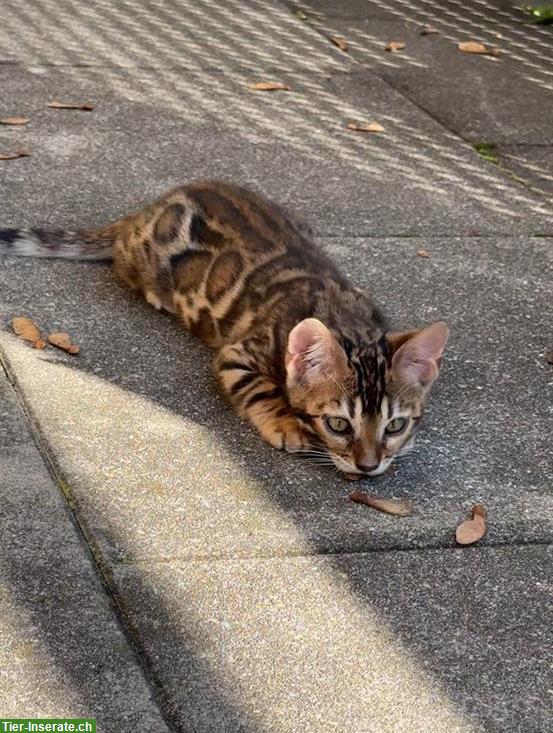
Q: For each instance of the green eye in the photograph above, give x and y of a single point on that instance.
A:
(396, 425)
(338, 425)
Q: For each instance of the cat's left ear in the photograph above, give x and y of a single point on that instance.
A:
(417, 354)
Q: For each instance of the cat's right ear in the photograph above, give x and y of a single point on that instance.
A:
(313, 353)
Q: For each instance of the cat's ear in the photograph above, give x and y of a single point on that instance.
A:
(313, 353)
(417, 354)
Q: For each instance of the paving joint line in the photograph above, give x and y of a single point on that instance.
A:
(435, 237)
(437, 547)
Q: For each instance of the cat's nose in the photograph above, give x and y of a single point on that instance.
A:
(366, 467)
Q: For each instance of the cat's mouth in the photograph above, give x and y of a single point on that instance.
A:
(370, 474)
(351, 471)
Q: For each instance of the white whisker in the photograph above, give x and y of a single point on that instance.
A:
(402, 391)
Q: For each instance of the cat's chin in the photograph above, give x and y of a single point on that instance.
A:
(355, 476)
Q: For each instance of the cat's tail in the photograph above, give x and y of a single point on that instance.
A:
(86, 244)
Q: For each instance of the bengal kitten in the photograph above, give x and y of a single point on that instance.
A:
(300, 352)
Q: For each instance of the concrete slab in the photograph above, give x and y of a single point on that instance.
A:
(385, 642)
(160, 468)
(62, 650)
(492, 100)
(154, 129)
(13, 430)
(478, 97)
(531, 163)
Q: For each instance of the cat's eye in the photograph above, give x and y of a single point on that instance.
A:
(338, 425)
(397, 425)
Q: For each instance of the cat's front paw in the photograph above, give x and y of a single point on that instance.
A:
(285, 434)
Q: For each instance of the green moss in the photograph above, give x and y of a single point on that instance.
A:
(540, 13)
(486, 151)
(66, 491)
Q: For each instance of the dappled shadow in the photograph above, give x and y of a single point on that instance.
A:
(494, 23)
(169, 48)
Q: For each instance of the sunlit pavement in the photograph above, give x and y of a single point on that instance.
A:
(160, 568)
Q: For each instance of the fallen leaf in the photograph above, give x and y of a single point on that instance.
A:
(399, 507)
(270, 86)
(63, 341)
(428, 30)
(478, 48)
(395, 46)
(70, 105)
(422, 253)
(473, 529)
(20, 153)
(340, 42)
(549, 357)
(28, 331)
(14, 121)
(471, 47)
(365, 127)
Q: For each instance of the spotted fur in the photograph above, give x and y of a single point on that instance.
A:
(296, 343)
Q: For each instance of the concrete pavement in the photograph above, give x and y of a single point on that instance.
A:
(240, 588)
(64, 650)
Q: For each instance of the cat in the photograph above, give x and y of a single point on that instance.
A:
(301, 353)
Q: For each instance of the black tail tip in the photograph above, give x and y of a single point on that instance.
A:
(8, 236)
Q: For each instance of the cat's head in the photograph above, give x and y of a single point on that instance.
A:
(361, 402)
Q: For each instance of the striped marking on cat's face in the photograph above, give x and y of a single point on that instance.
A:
(361, 444)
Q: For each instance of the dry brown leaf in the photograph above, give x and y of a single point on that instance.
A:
(71, 105)
(365, 127)
(473, 529)
(399, 507)
(14, 121)
(270, 86)
(395, 46)
(20, 153)
(340, 42)
(422, 253)
(63, 341)
(28, 331)
(428, 30)
(549, 357)
(478, 48)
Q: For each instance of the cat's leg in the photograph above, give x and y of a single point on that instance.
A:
(259, 399)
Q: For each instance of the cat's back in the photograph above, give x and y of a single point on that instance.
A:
(249, 220)
(222, 257)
